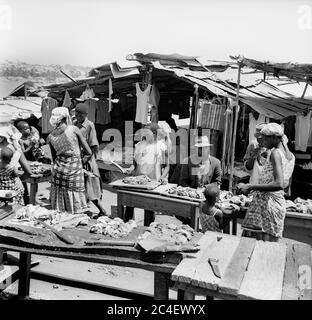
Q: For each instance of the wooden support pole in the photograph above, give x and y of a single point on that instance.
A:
(24, 275)
(235, 129)
(305, 89)
(161, 286)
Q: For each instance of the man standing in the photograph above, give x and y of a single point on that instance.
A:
(255, 155)
(201, 169)
(92, 175)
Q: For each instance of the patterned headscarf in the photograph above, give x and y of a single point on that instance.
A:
(273, 129)
(58, 114)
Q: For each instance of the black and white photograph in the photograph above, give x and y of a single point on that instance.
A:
(155, 155)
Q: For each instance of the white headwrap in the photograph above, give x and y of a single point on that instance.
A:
(58, 114)
(272, 129)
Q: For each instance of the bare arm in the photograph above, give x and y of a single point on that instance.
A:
(24, 164)
(83, 142)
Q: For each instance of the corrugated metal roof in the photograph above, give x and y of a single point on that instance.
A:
(21, 107)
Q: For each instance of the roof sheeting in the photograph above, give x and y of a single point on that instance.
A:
(296, 71)
(21, 108)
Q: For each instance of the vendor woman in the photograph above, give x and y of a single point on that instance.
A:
(67, 185)
(8, 178)
(267, 210)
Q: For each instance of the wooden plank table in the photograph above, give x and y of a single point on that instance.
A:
(158, 203)
(44, 242)
(151, 201)
(249, 269)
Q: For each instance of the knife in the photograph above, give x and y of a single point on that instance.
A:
(59, 234)
(214, 266)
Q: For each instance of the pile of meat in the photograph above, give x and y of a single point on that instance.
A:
(39, 168)
(186, 192)
(115, 228)
(171, 233)
(306, 166)
(230, 201)
(141, 180)
(30, 214)
(299, 205)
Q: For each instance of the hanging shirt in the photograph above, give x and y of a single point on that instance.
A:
(92, 106)
(253, 123)
(154, 96)
(142, 101)
(47, 106)
(213, 116)
(102, 114)
(67, 100)
(302, 131)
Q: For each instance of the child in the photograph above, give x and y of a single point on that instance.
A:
(211, 218)
(9, 179)
(30, 142)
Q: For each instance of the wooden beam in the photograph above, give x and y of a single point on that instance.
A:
(305, 89)
(235, 129)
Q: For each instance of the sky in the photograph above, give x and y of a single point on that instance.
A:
(94, 32)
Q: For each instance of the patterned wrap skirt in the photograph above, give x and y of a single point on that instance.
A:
(267, 211)
(67, 185)
(8, 181)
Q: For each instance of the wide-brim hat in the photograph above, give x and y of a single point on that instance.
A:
(202, 141)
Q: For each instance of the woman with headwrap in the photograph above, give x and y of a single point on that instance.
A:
(9, 180)
(267, 210)
(67, 186)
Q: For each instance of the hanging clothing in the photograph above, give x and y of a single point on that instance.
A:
(142, 103)
(154, 97)
(303, 129)
(67, 100)
(110, 93)
(253, 123)
(102, 112)
(213, 116)
(47, 106)
(92, 107)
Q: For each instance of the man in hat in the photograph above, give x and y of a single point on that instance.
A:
(200, 169)
(92, 176)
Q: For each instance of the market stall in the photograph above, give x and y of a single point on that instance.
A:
(33, 230)
(228, 267)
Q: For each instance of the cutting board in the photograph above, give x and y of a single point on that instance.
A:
(164, 193)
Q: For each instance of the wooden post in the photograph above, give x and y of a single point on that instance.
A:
(235, 129)
(305, 89)
(25, 91)
(24, 275)
(161, 286)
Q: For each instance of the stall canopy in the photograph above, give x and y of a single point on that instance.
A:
(295, 71)
(179, 72)
(21, 108)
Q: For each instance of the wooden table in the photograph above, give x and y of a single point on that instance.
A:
(167, 205)
(47, 244)
(34, 186)
(158, 203)
(250, 269)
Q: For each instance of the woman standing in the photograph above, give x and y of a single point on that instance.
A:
(267, 210)
(8, 179)
(67, 187)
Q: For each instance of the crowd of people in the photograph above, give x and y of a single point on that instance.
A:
(76, 179)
